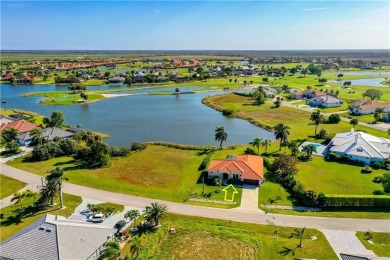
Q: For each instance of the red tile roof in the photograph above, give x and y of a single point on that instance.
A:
(20, 125)
(248, 166)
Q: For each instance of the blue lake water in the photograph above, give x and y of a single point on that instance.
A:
(171, 118)
(375, 82)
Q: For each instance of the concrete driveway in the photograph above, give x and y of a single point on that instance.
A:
(250, 198)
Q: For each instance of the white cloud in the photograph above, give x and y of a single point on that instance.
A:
(316, 9)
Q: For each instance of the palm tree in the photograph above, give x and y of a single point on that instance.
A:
(54, 179)
(220, 135)
(256, 143)
(265, 144)
(354, 122)
(37, 135)
(317, 118)
(135, 247)
(300, 235)
(281, 132)
(143, 228)
(131, 215)
(92, 207)
(155, 212)
(293, 146)
(309, 149)
(47, 194)
(111, 251)
(5, 102)
(18, 197)
(30, 194)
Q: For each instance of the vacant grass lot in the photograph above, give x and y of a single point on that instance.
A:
(9, 186)
(10, 223)
(381, 246)
(63, 98)
(337, 178)
(202, 238)
(157, 172)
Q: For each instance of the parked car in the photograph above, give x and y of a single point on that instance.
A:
(120, 224)
(97, 218)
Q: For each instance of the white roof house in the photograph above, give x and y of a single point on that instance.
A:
(360, 146)
(55, 237)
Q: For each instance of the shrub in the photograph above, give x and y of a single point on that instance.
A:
(361, 201)
(322, 133)
(227, 112)
(377, 165)
(334, 119)
(123, 151)
(205, 162)
(249, 151)
(366, 169)
(377, 179)
(136, 146)
(379, 192)
(386, 182)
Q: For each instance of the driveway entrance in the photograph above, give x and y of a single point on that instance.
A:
(250, 198)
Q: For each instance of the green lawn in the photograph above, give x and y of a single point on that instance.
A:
(118, 208)
(337, 178)
(202, 238)
(157, 172)
(63, 97)
(381, 246)
(10, 223)
(271, 193)
(9, 186)
(362, 118)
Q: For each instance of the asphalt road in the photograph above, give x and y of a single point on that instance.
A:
(349, 224)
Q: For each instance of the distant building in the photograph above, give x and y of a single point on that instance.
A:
(367, 106)
(116, 80)
(20, 125)
(48, 135)
(6, 119)
(309, 93)
(325, 101)
(56, 238)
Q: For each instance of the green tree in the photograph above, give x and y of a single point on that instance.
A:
(31, 194)
(293, 146)
(354, 122)
(265, 144)
(304, 72)
(386, 182)
(9, 134)
(317, 118)
(54, 179)
(155, 213)
(143, 228)
(132, 215)
(378, 113)
(281, 132)
(322, 81)
(136, 246)
(111, 251)
(278, 102)
(5, 102)
(373, 94)
(256, 143)
(220, 135)
(18, 198)
(56, 119)
(322, 133)
(12, 146)
(283, 166)
(308, 150)
(37, 135)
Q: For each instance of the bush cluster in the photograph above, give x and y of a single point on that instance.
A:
(137, 146)
(183, 146)
(50, 150)
(361, 201)
(205, 162)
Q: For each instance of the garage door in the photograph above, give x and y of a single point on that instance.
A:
(252, 182)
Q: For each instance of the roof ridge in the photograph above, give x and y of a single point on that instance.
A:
(247, 156)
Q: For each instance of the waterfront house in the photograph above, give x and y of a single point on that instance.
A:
(367, 106)
(247, 169)
(309, 93)
(21, 126)
(360, 147)
(56, 237)
(116, 80)
(48, 135)
(325, 101)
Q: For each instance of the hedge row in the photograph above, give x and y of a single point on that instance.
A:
(363, 201)
(205, 162)
(184, 146)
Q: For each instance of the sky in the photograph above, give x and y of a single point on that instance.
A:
(194, 25)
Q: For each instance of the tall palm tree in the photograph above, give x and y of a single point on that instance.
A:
(155, 212)
(47, 194)
(111, 251)
(131, 215)
(5, 102)
(220, 135)
(55, 178)
(135, 247)
(143, 228)
(256, 143)
(300, 235)
(309, 149)
(281, 132)
(317, 118)
(18, 197)
(265, 144)
(293, 146)
(30, 194)
(37, 135)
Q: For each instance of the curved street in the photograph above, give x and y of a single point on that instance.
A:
(329, 223)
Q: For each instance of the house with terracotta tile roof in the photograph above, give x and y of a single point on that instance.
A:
(21, 126)
(367, 106)
(245, 168)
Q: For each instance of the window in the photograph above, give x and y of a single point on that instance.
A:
(360, 149)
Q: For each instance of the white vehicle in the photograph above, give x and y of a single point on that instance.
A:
(97, 218)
